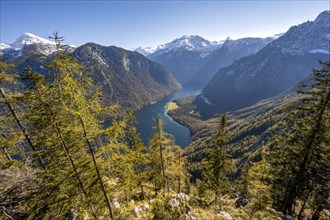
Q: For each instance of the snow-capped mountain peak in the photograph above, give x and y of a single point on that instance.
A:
(30, 42)
(308, 37)
(28, 39)
(186, 42)
(4, 46)
(146, 50)
(192, 42)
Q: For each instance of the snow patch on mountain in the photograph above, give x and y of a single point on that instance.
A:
(186, 42)
(320, 51)
(25, 41)
(4, 46)
(308, 37)
(190, 43)
(205, 99)
(28, 39)
(146, 50)
(196, 43)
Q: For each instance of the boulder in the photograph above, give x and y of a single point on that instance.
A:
(178, 199)
(225, 215)
(143, 208)
(116, 204)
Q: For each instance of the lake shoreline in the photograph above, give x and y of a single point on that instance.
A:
(146, 115)
(180, 123)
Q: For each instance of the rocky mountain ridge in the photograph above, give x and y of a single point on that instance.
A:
(274, 69)
(193, 60)
(188, 42)
(123, 76)
(30, 43)
(230, 51)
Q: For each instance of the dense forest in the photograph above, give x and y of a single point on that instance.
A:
(65, 154)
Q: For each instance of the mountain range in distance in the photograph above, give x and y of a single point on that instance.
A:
(150, 81)
(193, 60)
(274, 69)
(123, 76)
(233, 73)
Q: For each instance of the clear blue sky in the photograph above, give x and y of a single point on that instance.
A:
(131, 24)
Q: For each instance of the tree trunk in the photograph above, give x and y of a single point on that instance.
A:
(27, 137)
(156, 189)
(316, 214)
(179, 179)
(161, 158)
(67, 152)
(7, 154)
(142, 193)
(97, 170)
(312, 138)
(303, 206)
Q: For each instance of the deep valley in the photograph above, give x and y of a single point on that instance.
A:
(189, 129)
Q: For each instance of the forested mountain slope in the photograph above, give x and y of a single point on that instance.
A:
(123, 76)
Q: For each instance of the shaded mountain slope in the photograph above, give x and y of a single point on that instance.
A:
(230, 51)
(124, 76)
(274, 69)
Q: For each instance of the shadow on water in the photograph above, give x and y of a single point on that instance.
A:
(147, 114)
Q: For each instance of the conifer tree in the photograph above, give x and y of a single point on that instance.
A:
(301, 158)
(257, 190)
(174, 165)
(166, 163)
(48, 125)
(156, 155)
(14, 133)
(137, 153)
(218, 166)
(5, 136)
(7, 133)
(129, 160)
(64, 122)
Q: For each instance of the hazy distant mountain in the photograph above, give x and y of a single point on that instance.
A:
(183, 56)
(193, 60)
(274, 69)
(124, 76)
(230, 51)
(146, 50)
(29, 43)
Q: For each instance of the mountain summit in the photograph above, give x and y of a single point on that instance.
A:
(182, 56)
(274, 69)
(29, 43)
(192, 42)
(230, 51)
(28, 39)
(309, 37)
(187, 42)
